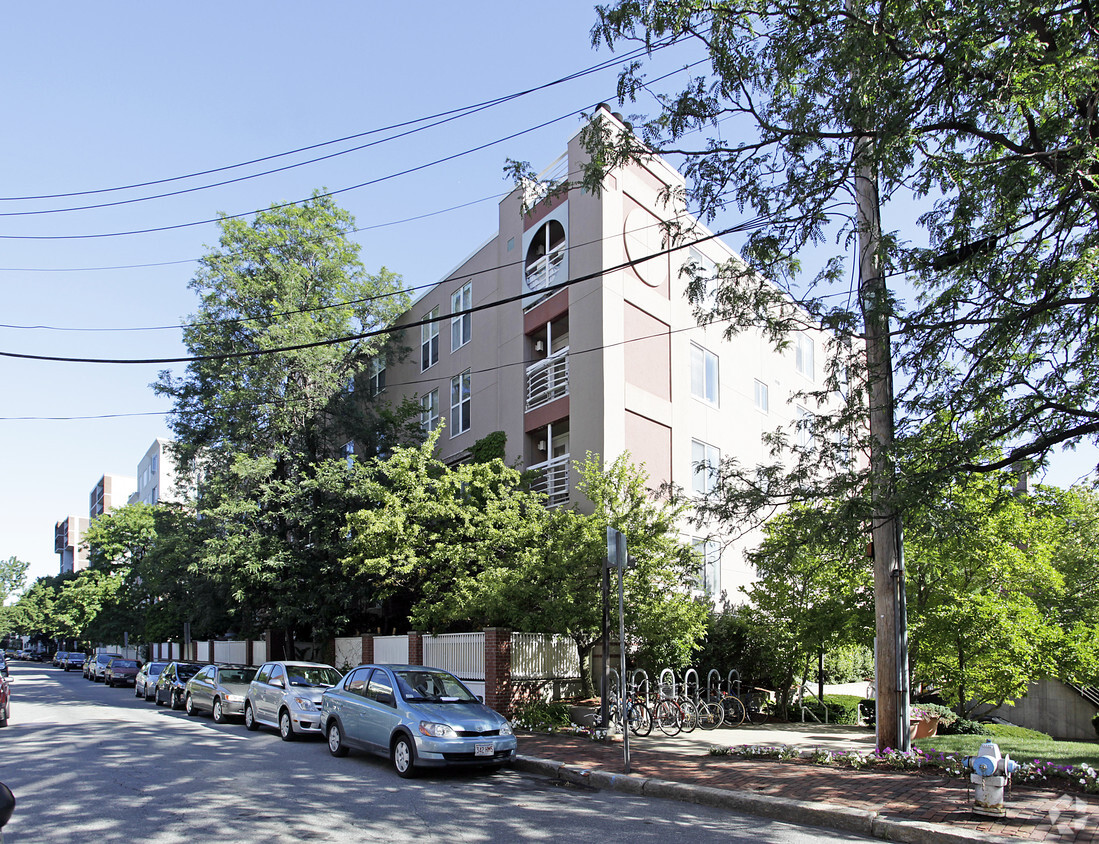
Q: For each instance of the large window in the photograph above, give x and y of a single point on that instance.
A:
(459, 403)
(704, 374)
(705, 462)
(709, 573)
(376, 380)
(762, 398)
(805, 433)
(804, 355)
(429, 340)
(461, 326)
(429, 411)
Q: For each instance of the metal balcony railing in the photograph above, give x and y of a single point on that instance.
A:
(554, 481)
(543, 272)
(548, 379)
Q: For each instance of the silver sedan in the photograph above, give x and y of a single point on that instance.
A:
(219, 690)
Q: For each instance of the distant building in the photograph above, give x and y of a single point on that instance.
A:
(156, 475)
(112, 492)
(68, 534)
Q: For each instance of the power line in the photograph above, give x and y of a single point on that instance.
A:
(388, 329)
(440, 118)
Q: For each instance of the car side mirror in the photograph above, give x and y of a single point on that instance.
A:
(278, 681)
(387, 699)
(480, 698)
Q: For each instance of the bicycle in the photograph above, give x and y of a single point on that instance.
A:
(637, 714)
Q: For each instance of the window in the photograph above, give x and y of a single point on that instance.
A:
(705, 271)
(805, 434)
(429, 411)
(709, 573)
(703, 374)
(461, 326)
(762, 400)
(459, 403)
(705, 462)
(376, 381)
(546, 256)
(429, 340)
(804, 355)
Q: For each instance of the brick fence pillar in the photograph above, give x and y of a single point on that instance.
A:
(368, 648)
(498, 669)
(415, 648)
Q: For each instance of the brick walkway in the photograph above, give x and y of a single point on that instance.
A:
(1033, 814)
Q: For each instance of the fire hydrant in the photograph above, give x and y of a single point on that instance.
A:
(991, 772)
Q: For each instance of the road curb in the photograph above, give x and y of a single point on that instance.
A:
(828, 815)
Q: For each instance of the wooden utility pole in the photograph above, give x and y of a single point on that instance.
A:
(891, 648)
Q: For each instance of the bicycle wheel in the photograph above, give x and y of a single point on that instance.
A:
(753, 711)
(668, 717)
(709, 715)
(690, 715)
(641, 722)
(734, 712)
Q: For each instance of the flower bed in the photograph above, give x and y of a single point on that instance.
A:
(1066, 777)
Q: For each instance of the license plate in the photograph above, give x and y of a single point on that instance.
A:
(484, 750)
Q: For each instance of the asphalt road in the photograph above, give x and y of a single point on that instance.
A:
(88, 763)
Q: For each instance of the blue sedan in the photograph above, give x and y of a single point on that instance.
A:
(415, 716)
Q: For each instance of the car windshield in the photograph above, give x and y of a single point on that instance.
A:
(124, 663)
(435, 686)
(312, 675)
(237, 675)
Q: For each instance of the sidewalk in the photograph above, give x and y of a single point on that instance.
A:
(916, 806)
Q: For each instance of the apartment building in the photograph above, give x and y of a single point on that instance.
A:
(613, 362)
(109, 493)
(68, 534)
(156, 475)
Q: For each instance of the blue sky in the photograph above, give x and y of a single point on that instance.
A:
(97, 97)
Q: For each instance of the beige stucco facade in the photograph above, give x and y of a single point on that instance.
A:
(613, 362)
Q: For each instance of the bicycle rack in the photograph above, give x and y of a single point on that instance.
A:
(615, 684)
(662, 684)
(730, 683)
(713, 689)
(687, 685)
(644, 682)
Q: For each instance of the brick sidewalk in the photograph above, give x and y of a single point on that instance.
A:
(1033, 814)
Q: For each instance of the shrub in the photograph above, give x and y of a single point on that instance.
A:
(965, 727)
(1013, 731)
(540, 715)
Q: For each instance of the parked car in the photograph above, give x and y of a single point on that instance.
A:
(219, 690)
(287, 695)
(98, 665)
(171, 685)
(86, 668)
(121, 672)
(5, 701)
(415, 716)
(55, 660)
(73, 660)
(145, 681)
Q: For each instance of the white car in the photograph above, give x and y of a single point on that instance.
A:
(287, 695)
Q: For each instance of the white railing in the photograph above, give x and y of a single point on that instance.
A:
(548, 379)
(391, 649)
(554, 481)
(349, 651)
(538, 656)
(543, 272)
(462, 654)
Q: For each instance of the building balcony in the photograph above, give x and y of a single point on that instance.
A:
(553, 480)
(544, 272)
(548, 379)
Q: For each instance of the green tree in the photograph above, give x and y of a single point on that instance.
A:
(13, 575)
(286, 321)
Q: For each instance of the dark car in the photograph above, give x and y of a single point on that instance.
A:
(5, 701)
(121, 672)
(171, 685)
(72, 661)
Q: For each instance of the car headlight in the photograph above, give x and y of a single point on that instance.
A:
(303, 703)
(437, 730)
(234, 698)
(505, 730)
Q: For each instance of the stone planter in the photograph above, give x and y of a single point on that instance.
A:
(584, 716)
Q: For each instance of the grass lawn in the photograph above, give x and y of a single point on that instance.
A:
(1019, 748)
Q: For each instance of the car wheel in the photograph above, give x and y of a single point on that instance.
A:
(404, 757)
(148, 697)
(189, 705)
(5, 714)
(335, 740)
(136, 692)
(286, 726)
(174, 701)
(218, 713)
(250, 718)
